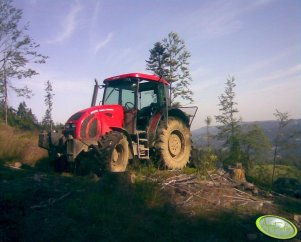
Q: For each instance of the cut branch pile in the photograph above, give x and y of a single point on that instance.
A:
(50, 201)
(217, 190)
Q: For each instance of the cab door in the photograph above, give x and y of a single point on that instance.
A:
(128, 101)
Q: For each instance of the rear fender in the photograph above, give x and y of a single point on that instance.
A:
(186, 114)
(175, 112)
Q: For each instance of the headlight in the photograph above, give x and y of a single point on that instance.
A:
(70, 126)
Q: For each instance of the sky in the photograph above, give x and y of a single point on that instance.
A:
(258, 42)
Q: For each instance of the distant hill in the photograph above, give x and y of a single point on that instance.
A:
(292, 131)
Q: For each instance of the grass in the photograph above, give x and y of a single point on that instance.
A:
(110, 209)
(19, 146)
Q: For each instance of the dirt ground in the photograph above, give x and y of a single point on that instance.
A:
(219, 192)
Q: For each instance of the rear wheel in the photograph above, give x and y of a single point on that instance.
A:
(174, 143)
(115, 147)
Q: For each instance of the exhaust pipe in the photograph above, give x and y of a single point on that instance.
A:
(95, 92)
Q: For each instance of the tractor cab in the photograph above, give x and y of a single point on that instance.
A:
(142, 96)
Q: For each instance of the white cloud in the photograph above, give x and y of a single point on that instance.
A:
(199, 72)
(68, 25)
(260, 64)
(95, 15)
(205, 84)
(280, 74)
(219, 18)
(103, 43)
(205, 80)
(288, 81)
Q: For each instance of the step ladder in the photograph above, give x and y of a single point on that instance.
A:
(142, 143)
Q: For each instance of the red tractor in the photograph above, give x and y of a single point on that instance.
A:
(134, 120)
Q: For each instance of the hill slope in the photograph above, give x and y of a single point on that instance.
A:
(293, 130)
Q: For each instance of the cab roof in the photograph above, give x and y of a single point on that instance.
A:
(143, 76)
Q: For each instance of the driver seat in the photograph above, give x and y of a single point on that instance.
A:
(144, 115)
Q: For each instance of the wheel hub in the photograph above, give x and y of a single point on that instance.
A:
(115, 156)
(174, 144)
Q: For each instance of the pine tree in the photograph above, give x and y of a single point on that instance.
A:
(208, 121)
(22, 110)
(22, 118)
(47, 121)
(169, 58)
(157, 60)
(229, 130)
(178, 74)
(25, 113)
(255, 146)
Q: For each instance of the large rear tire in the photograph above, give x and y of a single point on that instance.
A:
(115, 147)
(174, 143)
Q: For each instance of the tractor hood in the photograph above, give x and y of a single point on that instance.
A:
(95, 121)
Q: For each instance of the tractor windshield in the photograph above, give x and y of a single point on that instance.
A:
(121, 92)
(124, 92)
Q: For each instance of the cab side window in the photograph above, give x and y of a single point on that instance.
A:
(147, 98)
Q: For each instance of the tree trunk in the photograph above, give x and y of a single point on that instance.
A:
(5, 91)
(208, 141)
(248, 159)
(274, 163)
(275, 154)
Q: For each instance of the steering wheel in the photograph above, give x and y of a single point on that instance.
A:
(129, 105)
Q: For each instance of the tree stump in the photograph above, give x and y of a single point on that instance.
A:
(238, 173)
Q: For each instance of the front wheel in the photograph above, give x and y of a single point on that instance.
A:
(115, 147)
(59, 163)
(174, 143)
